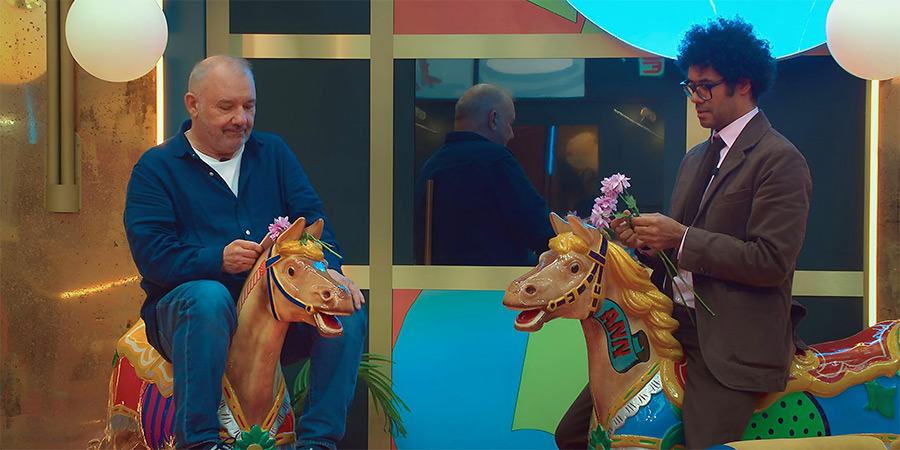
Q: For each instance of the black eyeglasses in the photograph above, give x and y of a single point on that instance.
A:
(704, 91)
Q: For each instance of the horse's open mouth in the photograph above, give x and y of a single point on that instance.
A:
(329, 326)
(530, 319)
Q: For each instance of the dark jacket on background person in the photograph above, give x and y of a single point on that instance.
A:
(485, 210)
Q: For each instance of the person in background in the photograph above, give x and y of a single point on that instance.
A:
(196, 207)
(478, 182)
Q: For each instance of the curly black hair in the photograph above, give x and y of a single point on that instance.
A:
(731, 48)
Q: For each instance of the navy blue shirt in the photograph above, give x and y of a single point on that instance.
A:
(485, 210)
(180, 214)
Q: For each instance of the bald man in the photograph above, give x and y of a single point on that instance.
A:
(194, 217)
(485, 210)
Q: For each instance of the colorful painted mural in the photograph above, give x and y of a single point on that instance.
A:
(459, 364)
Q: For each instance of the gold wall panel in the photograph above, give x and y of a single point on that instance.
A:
(317, 46)
(57, 352)
(807, 283)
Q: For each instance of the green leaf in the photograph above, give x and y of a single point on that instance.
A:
(674, 435)
(381, 387)
(881, 399)
(255, 437)
(600, 439)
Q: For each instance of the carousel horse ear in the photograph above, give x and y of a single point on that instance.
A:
(590, 235)
(293, 232)
(559, 224)
(316, 228)
(266, 243)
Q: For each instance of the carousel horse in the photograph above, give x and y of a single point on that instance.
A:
(636, 366)
(288, 284)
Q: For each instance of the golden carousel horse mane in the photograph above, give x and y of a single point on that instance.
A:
(309, 249)
(640, 297)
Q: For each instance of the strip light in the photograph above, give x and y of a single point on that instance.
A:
(98, 288)
(872, 232)
(160, 103)
(160, 97)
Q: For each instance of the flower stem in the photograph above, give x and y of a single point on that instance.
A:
(325, 245)
(672, 272)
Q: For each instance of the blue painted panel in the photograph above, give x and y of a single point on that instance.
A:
(458, 363)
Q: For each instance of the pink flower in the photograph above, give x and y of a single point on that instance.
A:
(601, 213)
(614, 185)
(607, 204)
(278, 227)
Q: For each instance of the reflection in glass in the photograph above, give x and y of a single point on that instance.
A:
(577, 121)
(535, 78)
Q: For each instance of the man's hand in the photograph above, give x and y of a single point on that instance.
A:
(357, 295)
(657, 231)
(240, 255)
(624, 234)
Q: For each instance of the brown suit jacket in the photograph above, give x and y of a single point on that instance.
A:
(742, 249)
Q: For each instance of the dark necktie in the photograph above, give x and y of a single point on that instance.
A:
(707, 164)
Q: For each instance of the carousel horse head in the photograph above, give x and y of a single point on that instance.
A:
(563, 274)
(299, 288)
(568, 280)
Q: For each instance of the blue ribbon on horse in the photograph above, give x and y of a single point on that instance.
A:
(625, 349)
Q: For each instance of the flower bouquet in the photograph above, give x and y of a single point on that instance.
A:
(613, 188)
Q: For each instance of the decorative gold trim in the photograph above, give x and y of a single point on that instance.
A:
(823, 283)
(804, 381)
(218, 27)
(461, 278)
(629, 441)
(468, 46)
(807, 283)
(359, 275)
(311, 46)
(381, 195)
(632, 390)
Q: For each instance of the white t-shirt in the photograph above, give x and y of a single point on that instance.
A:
(229, 170)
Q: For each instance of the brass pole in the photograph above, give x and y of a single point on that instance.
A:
(62, 191)
(381, 195)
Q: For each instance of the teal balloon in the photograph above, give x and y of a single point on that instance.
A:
(657, 26)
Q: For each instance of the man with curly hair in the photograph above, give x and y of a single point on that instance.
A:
(735, 227)
(737, 221)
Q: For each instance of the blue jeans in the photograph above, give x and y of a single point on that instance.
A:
(334, 364)
(195, 323)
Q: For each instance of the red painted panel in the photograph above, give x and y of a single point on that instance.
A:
(403, 300)
(479, 17)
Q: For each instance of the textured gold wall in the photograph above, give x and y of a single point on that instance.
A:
(57, 352)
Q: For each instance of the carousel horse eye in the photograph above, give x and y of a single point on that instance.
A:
(574, 268)
(291, 271)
